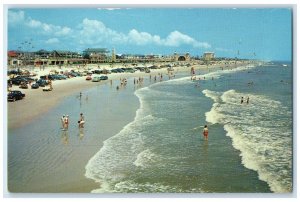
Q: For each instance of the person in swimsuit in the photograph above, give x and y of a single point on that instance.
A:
(81, 121)
(205, 132)
(66, 121)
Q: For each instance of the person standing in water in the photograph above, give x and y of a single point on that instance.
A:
(66, 121)
(248, 100)
(205, 132)
(242, 100)
(81, 121)
(62, 122)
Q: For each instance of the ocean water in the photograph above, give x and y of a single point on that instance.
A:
(162, 150)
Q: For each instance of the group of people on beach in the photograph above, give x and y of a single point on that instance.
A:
(140, 80)
(247, 101)
(65, 121)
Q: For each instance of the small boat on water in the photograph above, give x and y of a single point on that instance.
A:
(284, 65)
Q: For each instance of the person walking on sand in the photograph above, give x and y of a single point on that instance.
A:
(205, 132)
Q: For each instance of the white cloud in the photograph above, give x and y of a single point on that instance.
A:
(176, 39)
(95, 31)
(63, 31)
(15, 17)
(48, 28)
(18, 17)
(142, 38)
(33, 23)
(52, 41)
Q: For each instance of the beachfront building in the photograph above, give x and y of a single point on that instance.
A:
(13, 58)
(19, 58)
(207, 56)
(57, 57)
(139, 58)
(97, 55)
(181, 57)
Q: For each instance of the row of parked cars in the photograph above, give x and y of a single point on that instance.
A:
(121, 70)
(23, 81)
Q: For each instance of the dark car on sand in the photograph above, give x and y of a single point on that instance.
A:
(35, 86)
(103, 77)
(15, 95)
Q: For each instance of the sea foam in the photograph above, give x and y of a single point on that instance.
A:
(260, 131)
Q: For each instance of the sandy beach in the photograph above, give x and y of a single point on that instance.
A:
(67, 153)
(38, 102)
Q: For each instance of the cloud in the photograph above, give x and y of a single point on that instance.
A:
(18, 17)
(52, 41)
(142, 38)
(48, 28)
(95, 31)
(33, 23)
(15, 17)
(176, 39)
(63, 31)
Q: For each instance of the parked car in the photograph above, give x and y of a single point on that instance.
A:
(120, 70)
(42, 82)
(130, 70)
(117, 70)
(74, 74)
(18, 80)
(106, 71)
(13, 72)
(114, 71)
(142, 69)
(44, 77)
(15, 95)
(97, 71)
(23, 85)
(52, 77)
(103, 77)
(35, 86)
(96, 79)
(88, 78)
(61, 77)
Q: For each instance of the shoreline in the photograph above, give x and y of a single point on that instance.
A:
(28, 109)
(63, 89)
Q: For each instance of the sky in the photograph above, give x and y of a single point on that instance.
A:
(253, 33)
